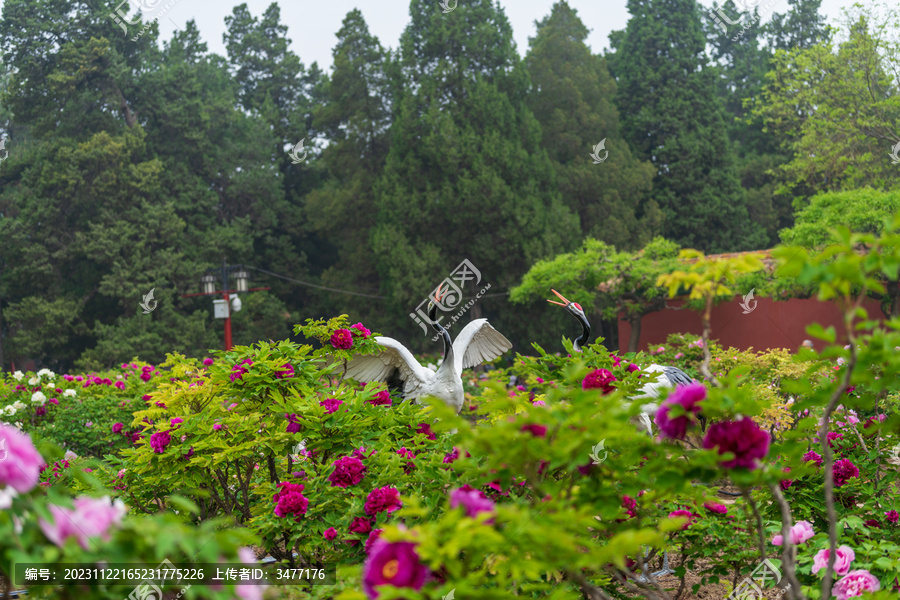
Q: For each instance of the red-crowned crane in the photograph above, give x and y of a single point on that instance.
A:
(478, 342)
(671, 376)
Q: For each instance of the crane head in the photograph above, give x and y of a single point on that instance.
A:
(432, 306)
(573, 307)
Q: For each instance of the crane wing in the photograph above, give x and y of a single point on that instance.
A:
(378, 367)
(677, 377)
(476, 343)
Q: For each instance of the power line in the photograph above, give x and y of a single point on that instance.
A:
(322, 287)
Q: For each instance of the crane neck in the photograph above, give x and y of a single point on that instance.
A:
(585, 333)
(445, 336)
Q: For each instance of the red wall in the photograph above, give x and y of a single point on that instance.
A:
(771, 324)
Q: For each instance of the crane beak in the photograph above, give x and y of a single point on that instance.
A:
(440, 294)
(564, 302)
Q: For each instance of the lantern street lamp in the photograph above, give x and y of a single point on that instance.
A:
(223, 308)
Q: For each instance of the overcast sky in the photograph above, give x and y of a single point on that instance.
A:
(312, 24)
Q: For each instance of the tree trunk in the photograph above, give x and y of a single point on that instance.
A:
(634, 339)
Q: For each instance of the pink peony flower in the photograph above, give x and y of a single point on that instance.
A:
(382, 398)
(373, 537)
(539, 403)
(217, 426)
(360, 525)
(844, 556)
(342, 339)
(813, 456)
(688, 396)
(359, 329)
(800, 532)
(330, 533)
(843, 470)
(287, 371)
(395, 564)
(744, 438)
(117, 428)
(159, 441)
(854, 584)
(599, 379)
(535, 430)
(22, 465)
(54, 401)
(384, 499)
(347, 471)
(892, 516)
(679, 355)
(473, 501)
(120, 385)
(90, 517)
(331, 405)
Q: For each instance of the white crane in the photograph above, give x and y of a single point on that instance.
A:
(670, 376)
(478, 342)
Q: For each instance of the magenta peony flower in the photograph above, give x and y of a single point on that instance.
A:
(744, 438)
(360, 525)
(535, 430)
(716, 508)
(176, 421)
(395, 564)
(117, 428)
(120, 385)
(373, 537)
(290, 501)
(854, 584)
(360, 453)
(688, 396)
(54, 401)
(800, 532)
(90, 517)
(683, 513)
(342, 339)
(347, 471)
(217, 426)
(22, 465)
(843, 470)
(539, 403)
(408, 468)
(159, 441)
(286, 372)
(452, 456)
(294, 423)
(330, 533)
(844, 556)
(331, 405)
(359, 329)
(616, 360)
(892, 516)
(599, 379)
(473, 501)
(189, 454)
(872, 523)
(382, 398)
(633, 367)
(630, 506)
(833, 435)
(384, 499)
(814, 457)
(785, 484)
(425, 429)
(208, 361)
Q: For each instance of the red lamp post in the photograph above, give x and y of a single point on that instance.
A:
(208, 284)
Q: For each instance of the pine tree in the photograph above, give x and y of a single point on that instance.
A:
(572, 97)
(465, 177)
(673, 116)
